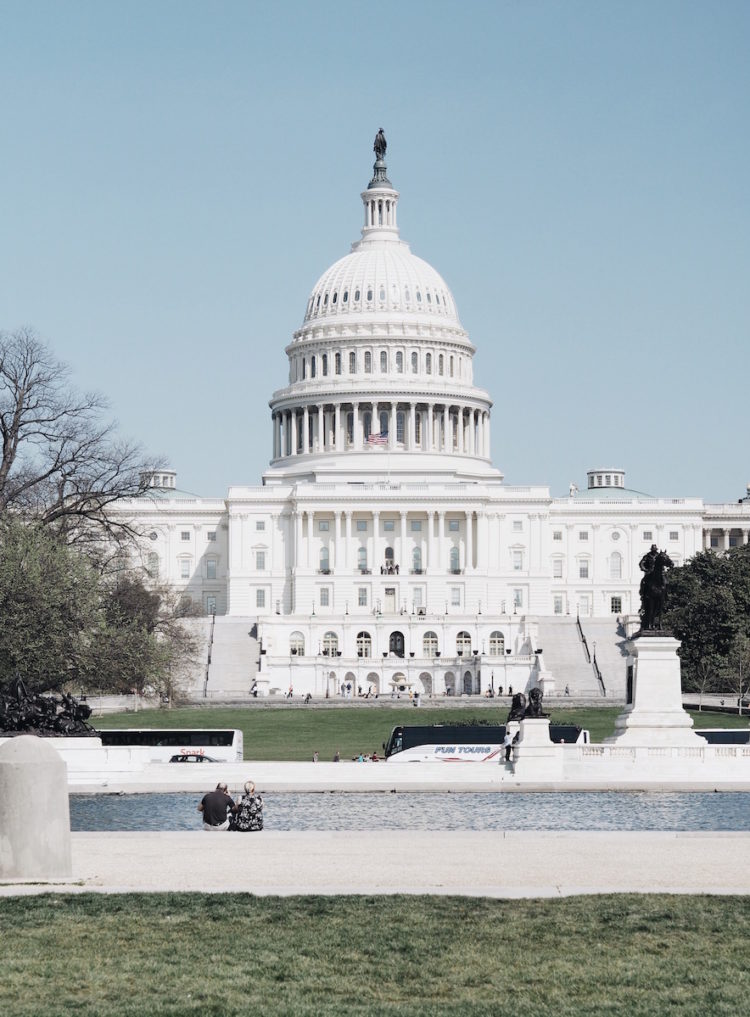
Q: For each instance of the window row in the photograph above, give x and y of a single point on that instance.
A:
(329, 645)
(369, 293)
(325, 365)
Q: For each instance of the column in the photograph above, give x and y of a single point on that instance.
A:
(469, 541)
(305, 430)
(338, 443)
(297, 538)
(745, 536)
(472, 436)
(448, 429)
(486, 436)
(411, 443)
(357, 427)
(377, 558)
(726, 539)
(707, 539)
(348, 561)
(392, 427)
(430, 429)
(321, 435)
(441, 562)
(294, 432)
(401, 559)
(338, 542)
(310, 517)
(430, 560)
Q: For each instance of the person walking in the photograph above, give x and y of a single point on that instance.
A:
(507, 745)
(249, 818)
(216, 807)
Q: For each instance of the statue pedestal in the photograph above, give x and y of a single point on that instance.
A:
(535, 756)
(656, 715)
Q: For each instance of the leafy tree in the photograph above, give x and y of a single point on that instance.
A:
(61, 462)
(709, 611)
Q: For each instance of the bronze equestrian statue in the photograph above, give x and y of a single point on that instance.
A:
(654, 565)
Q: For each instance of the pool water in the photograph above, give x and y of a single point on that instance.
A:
(436, 811)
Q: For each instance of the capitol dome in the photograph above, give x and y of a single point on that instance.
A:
(381, 364)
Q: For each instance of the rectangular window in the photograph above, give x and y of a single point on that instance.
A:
(325, 596)
(557, 568)
(557, 535)
(648, 535)
(211, 535)
(260, 524)
(211, 568)
(456, 596)
(518, 598)
(558, 603)
(416, 526)
(583, 569)
(417, 596)
(583, 535)
(517, 561)
(362, 525)
(323, 525)
(184, 568)
(517, 525)
(260, 560)
(362, 596)
(389, 525)
(260, 598)
(615, 605)
(714, 541)
(674, 535)
(453, 525)
(185, 535)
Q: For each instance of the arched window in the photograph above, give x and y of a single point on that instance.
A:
(352, 362)
(389, 556)
(324, 364)
(330, 644)
(356, 294)
(362, 559)
(455, 561)
(440, 364)
(335, 297)
(383, 361)
(430, 644)
(369, 293)
(312, 367)
(324, 560)
(384, 422)
(364, 644)
(497, 643)
(428, 363)
(367, 424)
(297, 644)
(451, 367)
(304, 368)
(400, 420)
(615, 566)
(152, 565)
(337, 363)
(368, 362)
(463, 644)
(400, 362)
(345, 298)
(414, 362)
(416, 559)
(350, 427)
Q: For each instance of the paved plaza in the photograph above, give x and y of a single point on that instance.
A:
(470, 863)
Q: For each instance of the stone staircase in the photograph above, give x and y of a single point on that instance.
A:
(565, 656)
(193, 676)
(234, 658)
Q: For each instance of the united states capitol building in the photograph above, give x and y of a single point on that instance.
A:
(382, 549)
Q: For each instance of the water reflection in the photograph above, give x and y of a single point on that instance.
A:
(415, 811)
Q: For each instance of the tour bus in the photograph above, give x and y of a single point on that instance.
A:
(725, 735)
(223, 744)
(463, 743)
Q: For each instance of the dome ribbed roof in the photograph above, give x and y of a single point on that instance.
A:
(382, 277)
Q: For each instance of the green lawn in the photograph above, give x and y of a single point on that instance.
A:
(192, 955)
(294, 733)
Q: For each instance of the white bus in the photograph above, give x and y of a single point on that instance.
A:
(224, 744)
(462, 743)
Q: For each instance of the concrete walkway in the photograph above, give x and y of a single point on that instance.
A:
(467, 863)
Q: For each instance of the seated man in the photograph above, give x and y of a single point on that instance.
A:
(215, 807)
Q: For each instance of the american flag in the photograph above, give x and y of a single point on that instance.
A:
(378, 439)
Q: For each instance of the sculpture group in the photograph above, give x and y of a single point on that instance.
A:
(22, 712)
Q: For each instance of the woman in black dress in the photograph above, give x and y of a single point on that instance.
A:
(249, 817)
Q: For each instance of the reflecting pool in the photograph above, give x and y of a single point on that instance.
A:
(435, 811)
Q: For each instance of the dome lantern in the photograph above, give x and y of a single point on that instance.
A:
(380, 199)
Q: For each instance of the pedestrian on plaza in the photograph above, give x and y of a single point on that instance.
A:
(315, 756)
(249, 818)
(216, 807)
(337, 756)
(508, 745)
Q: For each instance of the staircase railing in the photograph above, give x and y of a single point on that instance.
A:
(208, 655)
(599, 676)
(582, 637)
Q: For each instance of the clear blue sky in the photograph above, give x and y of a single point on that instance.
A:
(176, 175)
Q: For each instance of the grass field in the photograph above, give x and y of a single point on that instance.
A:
(294, 733)
(185, 955)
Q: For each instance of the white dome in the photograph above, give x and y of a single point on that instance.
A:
(382, 277)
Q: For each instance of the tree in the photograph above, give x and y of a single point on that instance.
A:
(709, 611)
(61, 462)
(65, 625)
